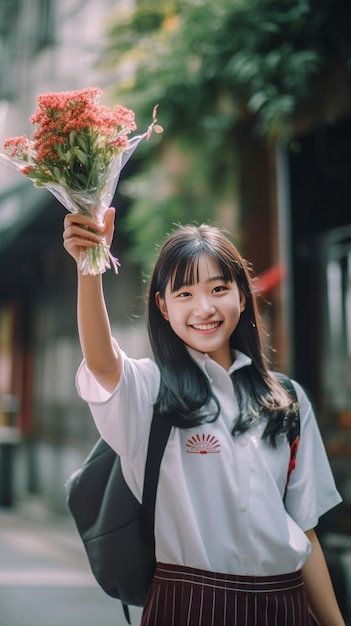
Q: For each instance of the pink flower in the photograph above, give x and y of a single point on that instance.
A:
(119, 142)
(77, 152)
(75, 138)
(27, 171)
(17, 147)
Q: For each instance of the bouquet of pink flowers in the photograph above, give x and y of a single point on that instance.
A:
(77, 152)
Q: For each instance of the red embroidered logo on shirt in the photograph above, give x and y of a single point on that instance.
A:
(203, 444)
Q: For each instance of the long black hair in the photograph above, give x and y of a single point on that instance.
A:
(185, 396)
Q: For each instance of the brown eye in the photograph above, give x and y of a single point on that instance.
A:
(184, 294)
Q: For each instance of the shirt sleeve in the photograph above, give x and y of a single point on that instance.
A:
(311, 489)
(122, 417)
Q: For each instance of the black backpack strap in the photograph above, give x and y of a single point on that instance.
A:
(293, 433)
(158, 437)
(294, 428)
(126, 613)
(159, 433)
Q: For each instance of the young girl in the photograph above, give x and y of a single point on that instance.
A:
(232, 549)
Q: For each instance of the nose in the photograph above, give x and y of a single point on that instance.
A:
(204, 307)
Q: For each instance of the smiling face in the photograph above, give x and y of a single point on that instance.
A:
(205, 310)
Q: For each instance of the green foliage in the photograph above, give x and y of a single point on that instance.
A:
(213, 65)
(162, 197)
(263, 56)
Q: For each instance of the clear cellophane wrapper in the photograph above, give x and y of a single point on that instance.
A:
(94, 203)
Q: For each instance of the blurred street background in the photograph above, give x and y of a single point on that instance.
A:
(44, 574)
(255, 100)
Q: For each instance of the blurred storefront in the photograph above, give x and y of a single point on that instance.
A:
(320, 188)
(45, 430)
(295, 220)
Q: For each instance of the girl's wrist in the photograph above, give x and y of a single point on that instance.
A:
(88, 278)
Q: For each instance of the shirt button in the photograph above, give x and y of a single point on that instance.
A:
(243, 508)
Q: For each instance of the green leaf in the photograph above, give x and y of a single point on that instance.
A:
(257, 101)
(72, 139)
(81, 156)
(82, 143)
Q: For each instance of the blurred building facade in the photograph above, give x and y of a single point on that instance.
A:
(298, 200)
(45, 45)
(294, 209)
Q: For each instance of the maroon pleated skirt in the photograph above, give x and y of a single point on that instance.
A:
(183, 596)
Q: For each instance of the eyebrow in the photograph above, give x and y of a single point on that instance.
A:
(215, 278)
(211, 279)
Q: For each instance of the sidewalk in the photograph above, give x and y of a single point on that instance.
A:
(45, 579)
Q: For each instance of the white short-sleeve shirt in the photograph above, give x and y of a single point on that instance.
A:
(219, 502)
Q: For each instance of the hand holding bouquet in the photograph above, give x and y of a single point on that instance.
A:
(77, 152)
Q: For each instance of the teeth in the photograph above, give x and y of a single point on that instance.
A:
(206, 326)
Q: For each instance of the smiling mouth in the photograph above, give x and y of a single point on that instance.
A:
(211, 326)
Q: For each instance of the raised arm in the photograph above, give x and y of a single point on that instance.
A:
(100, 350)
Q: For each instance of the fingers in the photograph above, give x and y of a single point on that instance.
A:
(81, 231)
(78, 235)
(81, 220)
(110, 216)
(109, 225)
(89, 222)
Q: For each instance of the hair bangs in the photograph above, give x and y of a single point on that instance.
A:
(186, 272)
(187, 268)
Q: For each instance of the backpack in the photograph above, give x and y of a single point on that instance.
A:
(117, 531)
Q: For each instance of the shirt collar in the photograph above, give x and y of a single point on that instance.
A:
(239, 360)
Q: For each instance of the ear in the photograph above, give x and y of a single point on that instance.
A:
(242, 301)
(161, 305)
